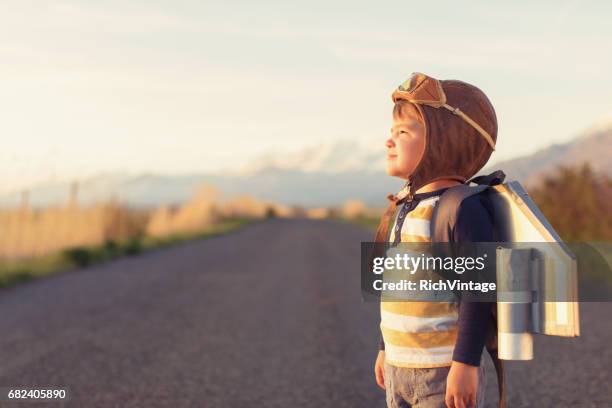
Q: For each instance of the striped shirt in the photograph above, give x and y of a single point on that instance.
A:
(418, 334)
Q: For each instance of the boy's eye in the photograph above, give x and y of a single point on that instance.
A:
(399, 132)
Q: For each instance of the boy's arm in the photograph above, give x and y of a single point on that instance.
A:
(474, 224)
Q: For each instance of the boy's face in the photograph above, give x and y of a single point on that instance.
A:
(406, 145)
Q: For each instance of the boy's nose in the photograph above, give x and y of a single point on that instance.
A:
(389, 143)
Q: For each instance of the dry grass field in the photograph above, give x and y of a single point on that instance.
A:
(38, 242)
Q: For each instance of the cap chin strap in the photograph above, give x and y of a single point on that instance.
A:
(484, 133)
(408, 192)
(405, 192)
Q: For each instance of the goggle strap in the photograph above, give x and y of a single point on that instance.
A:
(475, 125)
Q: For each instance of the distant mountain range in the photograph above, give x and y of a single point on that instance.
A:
(593, 146)
(323, 176)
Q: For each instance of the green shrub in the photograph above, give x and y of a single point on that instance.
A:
(16, 276)
(133, 246)
(577, 202)
(111, 247)
(79, 256)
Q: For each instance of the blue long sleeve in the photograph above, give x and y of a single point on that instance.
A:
(474, 224)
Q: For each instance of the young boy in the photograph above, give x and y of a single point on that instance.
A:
(430, 352)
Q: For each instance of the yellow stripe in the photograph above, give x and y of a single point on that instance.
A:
(423, 213)
(415, 238)
(423, 340)
(420, 309)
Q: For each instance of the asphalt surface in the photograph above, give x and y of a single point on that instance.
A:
(268, 316)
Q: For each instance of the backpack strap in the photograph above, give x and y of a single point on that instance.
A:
(443, 221)
(444, 216)
(491, 346)
(492, 179)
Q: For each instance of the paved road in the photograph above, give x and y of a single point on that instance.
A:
(268, 316)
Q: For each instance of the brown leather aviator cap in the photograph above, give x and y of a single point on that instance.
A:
(460, 128)
(460, 134)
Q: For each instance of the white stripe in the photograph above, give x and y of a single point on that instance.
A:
(410, 355)
(416, 226)
(428, 201)
(414, 324)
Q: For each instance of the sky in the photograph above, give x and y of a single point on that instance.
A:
(195, 86)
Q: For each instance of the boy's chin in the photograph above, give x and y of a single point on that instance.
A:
(394, 172)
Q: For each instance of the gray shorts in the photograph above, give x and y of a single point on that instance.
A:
(422, 387)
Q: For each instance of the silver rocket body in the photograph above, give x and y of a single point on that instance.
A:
(537, 290)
